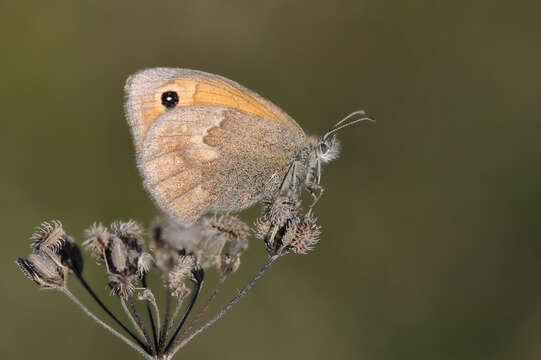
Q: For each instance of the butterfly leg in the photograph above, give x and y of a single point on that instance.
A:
(290, 179)
(312, 188)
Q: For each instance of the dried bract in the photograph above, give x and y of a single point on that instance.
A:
(117, 255)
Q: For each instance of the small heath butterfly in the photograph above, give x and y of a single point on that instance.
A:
(207, 144)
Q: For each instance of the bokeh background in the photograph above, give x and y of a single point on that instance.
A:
(431, 233)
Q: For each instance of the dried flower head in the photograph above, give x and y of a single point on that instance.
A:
(47, 269)
(289, 234)
(120, 286)
(144, 263)
(306, 235)
(29, 270)
(262, 227)
(127, 229)
(280, 210)
(48, 235)
(97, 240)
(182, 271)
(147, 295)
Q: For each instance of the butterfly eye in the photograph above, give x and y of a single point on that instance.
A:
(324, 148)
(170, 99)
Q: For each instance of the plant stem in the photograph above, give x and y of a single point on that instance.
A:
(141, 350)
(102, 305)
(175, 314)
(222, 312)
(186, 313)
(139, 320)
(151, 318)
(166, 320)
(202, 311)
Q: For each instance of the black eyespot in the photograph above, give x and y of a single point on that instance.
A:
(323, 148)
(170, 99)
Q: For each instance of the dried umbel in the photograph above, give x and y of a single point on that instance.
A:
(181, 254)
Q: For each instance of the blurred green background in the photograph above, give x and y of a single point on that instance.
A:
(431, 238)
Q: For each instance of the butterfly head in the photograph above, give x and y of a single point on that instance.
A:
(327, 148)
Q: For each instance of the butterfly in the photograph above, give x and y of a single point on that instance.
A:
(207, 144)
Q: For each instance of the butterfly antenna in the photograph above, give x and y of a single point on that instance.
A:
(353, 118)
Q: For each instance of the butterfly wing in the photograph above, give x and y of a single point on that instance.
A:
(194, 88)
(221, 149)
(213, 158)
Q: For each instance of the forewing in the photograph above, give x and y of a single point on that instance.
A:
(194, 88)
(213, 158)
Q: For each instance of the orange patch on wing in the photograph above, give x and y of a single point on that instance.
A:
(203, 91)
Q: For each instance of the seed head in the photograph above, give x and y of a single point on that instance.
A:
(181, 272)
(120, 286)
(126, 229)
(49, 235)
(97, 240)
(45, 269)
(147, 295)
(306, 235)
(29, 270)
(262, 227)
(144, 263)
(290, 233)
(280, 210)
